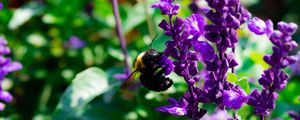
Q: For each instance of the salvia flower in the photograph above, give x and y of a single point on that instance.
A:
(1, 5)
(75, 43)
(191, 42)
(186, 50)
(6, 66)
(218, 115)
(167, 7)
(294, 116)
(226, 17)
(295, 67)
(273, 79)
(234, 98)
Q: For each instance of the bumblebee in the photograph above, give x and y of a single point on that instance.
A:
(151, 72)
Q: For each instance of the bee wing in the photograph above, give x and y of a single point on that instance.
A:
(129, 81)
(125, 85)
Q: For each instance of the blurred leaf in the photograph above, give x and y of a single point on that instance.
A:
(141, 110)
(245, 111)
(243, 82)
(88, 56)
(136, 15)
(116, 53)
(257, 58)
(23, 14)
(232, 78)
(37, 40)
(85, 87)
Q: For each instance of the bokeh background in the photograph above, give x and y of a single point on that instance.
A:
(57, 39)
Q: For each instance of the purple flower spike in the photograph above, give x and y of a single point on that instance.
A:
(6, 96)
(2, 106)
(273, 79)
(166, 7)
(294, 116)
(257, 26)
(194, 24)
(176, 108)
(1, 5)
(287, 28)
(234, 98)
(6, 66)
(206, 50)
(295, 67)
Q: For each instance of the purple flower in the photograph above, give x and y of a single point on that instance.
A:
(176, 108)
(234, 98)
(166, 7)
(6, 66)
(218, 115)
(294, 116)
(273, 79)
(194, 24)
(257, 26)
(191, 42)
(76, 43)
(1, 5)
(295, 67)
(206, 50)
(287, 28)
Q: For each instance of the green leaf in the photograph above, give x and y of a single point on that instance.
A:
(232, 78)
(84, 88)
(243, 82)
(24, 14)
(257, 58)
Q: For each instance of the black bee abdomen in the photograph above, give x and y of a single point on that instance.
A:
(152, 73)
(155, 84)
(151, 58)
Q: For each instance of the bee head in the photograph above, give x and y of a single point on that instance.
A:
(139, 61)
(152, 57)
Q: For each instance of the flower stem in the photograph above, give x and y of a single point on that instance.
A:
(148, 19)
(262, 117)
(233, 51)
(120, 35)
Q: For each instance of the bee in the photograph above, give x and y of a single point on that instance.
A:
(151, 72)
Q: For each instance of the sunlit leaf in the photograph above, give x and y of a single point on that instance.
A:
(23, 14)
(258, 59)
(84, 88)
(243, 82)
(232, 78)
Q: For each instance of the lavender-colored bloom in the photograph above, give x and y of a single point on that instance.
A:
(176, 108)
(194, 24)
(287, 28)
(6, 66)
(234, 98)
(187, 48)
(257, 26)
(273, 79)
(295, 67)
(1, 5)
(294, 116)
(218, 115)
(166, 7)
(226, 17)
(75, 42)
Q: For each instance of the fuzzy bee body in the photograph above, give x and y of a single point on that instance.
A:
(151, 72)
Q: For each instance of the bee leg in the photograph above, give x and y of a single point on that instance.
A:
(160, 72)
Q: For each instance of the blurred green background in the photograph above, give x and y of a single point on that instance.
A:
(41, 34)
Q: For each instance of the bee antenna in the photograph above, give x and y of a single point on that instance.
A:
(150, 46)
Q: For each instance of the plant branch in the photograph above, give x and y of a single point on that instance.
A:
(120, 35)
